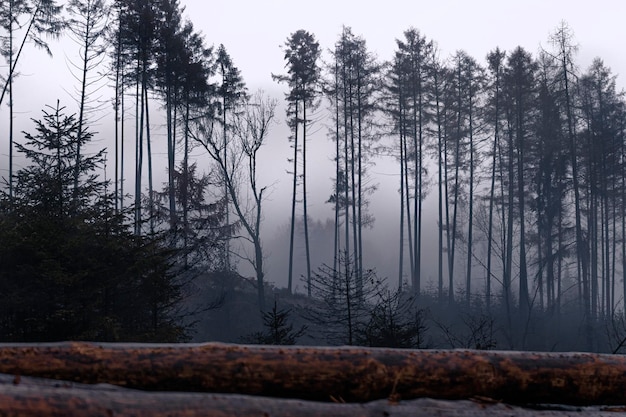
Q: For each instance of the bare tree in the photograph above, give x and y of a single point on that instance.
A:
(250, 128)
(88, 26)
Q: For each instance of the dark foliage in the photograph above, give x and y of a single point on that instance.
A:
(278, 330)
(69, 267)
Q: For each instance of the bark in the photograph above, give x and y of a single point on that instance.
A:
(293, 200)
(313, 373)
(71, 400)
(440, 188)
(402, 191)
(304, 200)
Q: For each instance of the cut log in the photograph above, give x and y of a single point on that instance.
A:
(346, 374)
(76, 401)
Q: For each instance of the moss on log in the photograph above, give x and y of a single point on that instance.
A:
(313, 373)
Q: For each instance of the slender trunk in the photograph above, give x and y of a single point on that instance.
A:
(83, 93)
(524, 302)
(447, 203)
(13, 60)
(492, 191)
(402, 157)
(10, 84)
(293, 201)
(468, 284)
(440, 192)
(509, 225)
(226, 199)
(337, 173)
(581, 247)
(359, 260)
(613, 251)
(540, 259)
(256, 237)
(139, 114)
(122, 152)
(346, 182)
(457, 185)
(184, 189)
(118, 64)
(304, 202)
(623, 217)
(170, 158)
(420, 191)
(559, 272)
(353, 183)
(336, 253)
(149, 150)
(407, 198)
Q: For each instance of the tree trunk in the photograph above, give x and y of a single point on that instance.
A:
(139, 115)
(402, 191)
(304, 201)
(149, 151)
(312, 373)
(440, 189)
(293, 201)
(470, 229)
(86, 401)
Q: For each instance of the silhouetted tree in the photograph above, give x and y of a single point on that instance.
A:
(342, 304)
(250, 130)
(36, 19)
(520, 99)
(495, 61)
(69, 265)
(302, 52)
(278, 330)
(355, 91)
(88, 26)
(232, 93)
(395, 322)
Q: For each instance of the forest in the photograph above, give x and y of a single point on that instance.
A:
(519, 155)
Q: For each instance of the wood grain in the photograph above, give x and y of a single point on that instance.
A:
(323, 374)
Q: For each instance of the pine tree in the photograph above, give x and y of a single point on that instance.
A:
(278, 330)
(519, 93)
(68, 263)
(302, 52)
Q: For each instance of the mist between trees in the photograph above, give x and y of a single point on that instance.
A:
(521, 154)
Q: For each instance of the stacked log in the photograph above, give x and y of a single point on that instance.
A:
(77, 378)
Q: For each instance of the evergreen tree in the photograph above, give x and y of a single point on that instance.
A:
(342, 302)
(411, 91)
(278, 330)
(495, 61)
(355, 92)
(69, 266)
(519, 95)
(302, 52)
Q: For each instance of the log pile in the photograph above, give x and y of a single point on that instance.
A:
(87, 379)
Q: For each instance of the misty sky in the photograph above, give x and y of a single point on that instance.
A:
(253, 32)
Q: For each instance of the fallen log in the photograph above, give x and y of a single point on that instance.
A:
(79, 401)
(322, 374)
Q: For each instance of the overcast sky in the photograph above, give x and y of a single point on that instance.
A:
(254, 30)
